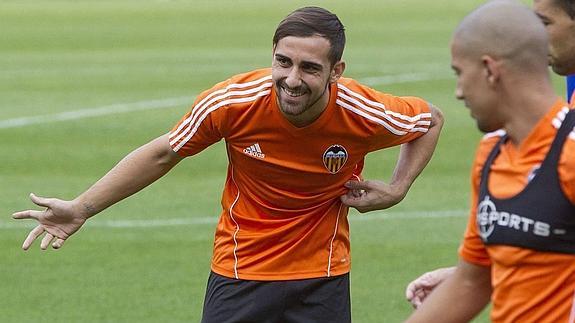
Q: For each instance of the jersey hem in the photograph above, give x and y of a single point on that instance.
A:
(279, 276)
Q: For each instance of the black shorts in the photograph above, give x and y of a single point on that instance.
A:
(308, 300)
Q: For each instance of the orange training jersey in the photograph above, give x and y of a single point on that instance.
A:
(528, 285)
(282, 217)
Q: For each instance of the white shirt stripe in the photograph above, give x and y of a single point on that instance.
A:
(558, 120)
(374, 119)
(332, 239)
(203, 105)
(379, 105)
(383, 114)
(231, 86)
(496, 133)
(237, 225)
(210, 110)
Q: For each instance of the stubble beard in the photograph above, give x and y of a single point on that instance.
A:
(301, 107)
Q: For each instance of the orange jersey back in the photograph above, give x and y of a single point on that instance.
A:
(528, 285)
(282, 217)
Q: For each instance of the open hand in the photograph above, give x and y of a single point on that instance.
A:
(59, 221)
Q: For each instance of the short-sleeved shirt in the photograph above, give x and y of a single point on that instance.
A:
(528, 285)
(282, 218)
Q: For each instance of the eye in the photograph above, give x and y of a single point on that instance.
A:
(311, 68)
(282, 61)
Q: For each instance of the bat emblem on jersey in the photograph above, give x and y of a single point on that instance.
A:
(334, 158)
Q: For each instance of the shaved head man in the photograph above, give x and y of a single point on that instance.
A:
(505, 44)
(519, 246)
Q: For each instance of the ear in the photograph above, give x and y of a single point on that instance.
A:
(491, 68)
(337, 71)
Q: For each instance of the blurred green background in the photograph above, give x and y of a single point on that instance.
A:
(82, 83)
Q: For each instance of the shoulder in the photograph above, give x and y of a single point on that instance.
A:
(250, 82)
(489, 140)
(485, 147)
(353, 90)
(375, 105)
(567, 160)
(568, 150)
(237, 90)
(245, 83)
(566, 167)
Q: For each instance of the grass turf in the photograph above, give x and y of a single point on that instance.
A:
(60, 56)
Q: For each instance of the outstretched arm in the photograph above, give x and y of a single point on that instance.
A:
(137, 170)
(372, 195)
(460, 298)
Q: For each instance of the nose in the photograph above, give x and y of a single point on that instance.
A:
(458, 93)
(293, 79)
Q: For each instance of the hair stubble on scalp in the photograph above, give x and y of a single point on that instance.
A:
(505, 29)
(314, 21)
(567, 5)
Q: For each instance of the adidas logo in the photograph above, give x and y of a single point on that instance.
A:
(255, 151)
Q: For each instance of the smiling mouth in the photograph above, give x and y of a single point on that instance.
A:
(293, 94)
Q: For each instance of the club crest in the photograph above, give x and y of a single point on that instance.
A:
(334, 158)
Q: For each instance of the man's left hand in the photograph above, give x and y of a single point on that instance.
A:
(367, 196)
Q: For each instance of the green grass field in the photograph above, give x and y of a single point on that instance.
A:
(147, 258)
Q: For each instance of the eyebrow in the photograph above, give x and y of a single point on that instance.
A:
(542, 17)
(306, 63)
(281, 56)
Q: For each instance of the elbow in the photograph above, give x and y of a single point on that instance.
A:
(437, 118)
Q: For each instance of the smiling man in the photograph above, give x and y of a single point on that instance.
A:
(296, 137)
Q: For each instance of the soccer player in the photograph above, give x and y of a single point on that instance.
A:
(558, 16)
(519, 245)
(296, 136)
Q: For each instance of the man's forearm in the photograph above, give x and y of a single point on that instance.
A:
(415, 155)
(134, 172)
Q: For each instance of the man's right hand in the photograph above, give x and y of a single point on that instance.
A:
(59, 221)
(422, 286)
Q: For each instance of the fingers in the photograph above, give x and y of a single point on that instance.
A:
(350, 199)
(58, 243)
(417, 299)
(357, 193)
(46, 241)
(32, 214)
(40, 201)
(410, 291)
(28, 214)
(357, 185)
(35, 233)
(415, 295)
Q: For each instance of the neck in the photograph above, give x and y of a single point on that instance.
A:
(526, 108)
(312, 113)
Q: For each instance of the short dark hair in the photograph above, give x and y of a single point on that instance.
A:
(568, 6)
(311, 21)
